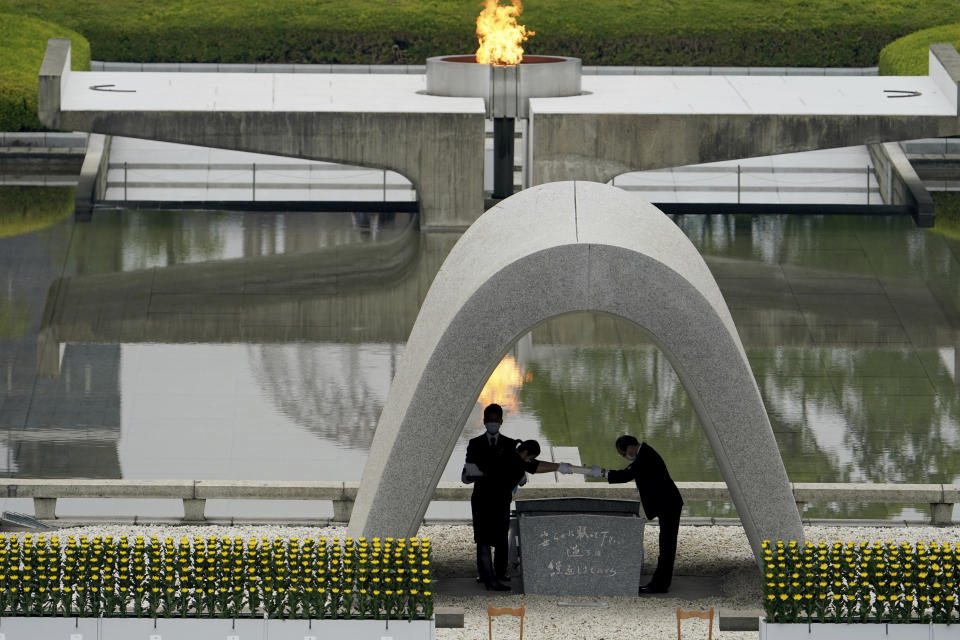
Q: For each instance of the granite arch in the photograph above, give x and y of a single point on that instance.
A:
(547, 251)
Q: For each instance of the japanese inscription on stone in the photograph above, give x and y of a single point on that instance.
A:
(581, 554)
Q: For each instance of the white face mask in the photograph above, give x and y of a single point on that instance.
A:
(629, 457)
(492, 427)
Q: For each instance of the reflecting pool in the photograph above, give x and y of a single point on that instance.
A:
(262, 346)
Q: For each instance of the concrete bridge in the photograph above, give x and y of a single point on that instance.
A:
(621, 124)
(633, 123)
(376, 120)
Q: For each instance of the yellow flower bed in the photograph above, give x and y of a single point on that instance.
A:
(861, 582)
(216, 577)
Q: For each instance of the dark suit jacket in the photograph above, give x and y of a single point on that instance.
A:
(658, 493)
(502, 469)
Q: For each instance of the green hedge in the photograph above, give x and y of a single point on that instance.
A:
(23, 41)
(909, 56)
(26, 209)
(216, 577)
(861, 582)
(608, 32)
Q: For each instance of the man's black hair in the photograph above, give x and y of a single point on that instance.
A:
(530, 446)
(625, 441)
(493, 413)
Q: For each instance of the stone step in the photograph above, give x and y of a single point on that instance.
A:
(448, 617)
(739, 619)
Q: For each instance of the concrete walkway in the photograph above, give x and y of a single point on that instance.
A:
(625, 70)
(684, 587)
(117, 91)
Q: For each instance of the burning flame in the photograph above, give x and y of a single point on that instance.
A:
(499, 34)
(503, 385)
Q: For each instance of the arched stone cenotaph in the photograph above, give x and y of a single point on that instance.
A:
(554, 249)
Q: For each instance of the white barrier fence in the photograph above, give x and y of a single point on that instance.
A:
(195, 493)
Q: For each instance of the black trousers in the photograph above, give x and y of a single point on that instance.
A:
(669, 527)
(500, 556)
(491, 527)
(500, 553)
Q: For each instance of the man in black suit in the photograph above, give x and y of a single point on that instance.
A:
(660, 498)
(495, 467)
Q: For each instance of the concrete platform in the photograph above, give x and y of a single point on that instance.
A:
(633, 123)
(622, 123)
(370, 120)
(797, 95)
(267, 92)
(399, 93)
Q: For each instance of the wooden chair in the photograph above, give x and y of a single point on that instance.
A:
(696, 613)
(500, 611)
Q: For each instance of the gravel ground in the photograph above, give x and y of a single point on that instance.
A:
(702, 551)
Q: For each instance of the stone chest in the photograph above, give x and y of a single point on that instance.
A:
(580, 546)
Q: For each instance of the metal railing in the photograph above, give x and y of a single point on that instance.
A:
(777, 186)
(252, 178)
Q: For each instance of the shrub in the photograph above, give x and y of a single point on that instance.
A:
(607, 32)
(909, 55)
(23, 41)
(216, 577)
(860, 582)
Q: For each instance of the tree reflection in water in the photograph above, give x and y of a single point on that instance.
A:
(334, 391)
(839, 414)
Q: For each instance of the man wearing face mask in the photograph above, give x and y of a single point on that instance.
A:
(495, 467)
(660, 498)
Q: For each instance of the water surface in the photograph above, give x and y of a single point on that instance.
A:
(262, 346)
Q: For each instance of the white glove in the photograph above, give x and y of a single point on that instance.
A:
(470, 473)
(595, 471)
(564, 468)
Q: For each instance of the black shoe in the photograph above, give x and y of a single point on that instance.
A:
(486, 571)
(647, 589)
